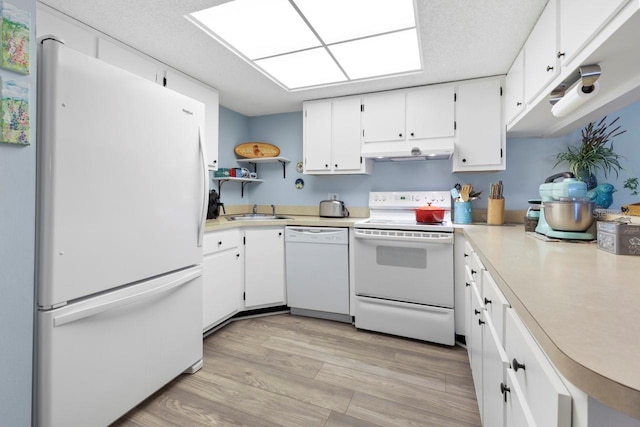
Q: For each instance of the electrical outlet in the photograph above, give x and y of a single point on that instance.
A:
(332, 196)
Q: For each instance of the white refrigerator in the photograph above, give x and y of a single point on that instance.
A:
(122, 197)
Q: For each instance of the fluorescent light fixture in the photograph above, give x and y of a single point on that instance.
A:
(302, 44)
(380, 55)
(301, 69)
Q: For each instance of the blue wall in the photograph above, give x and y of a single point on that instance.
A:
(529, 162)
(17, 236)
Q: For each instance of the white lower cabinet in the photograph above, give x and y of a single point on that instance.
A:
(494, 363)
(264, 267)
(222, 277)
(475, 345)
(543, 391)
(516, 412)
(516, 385)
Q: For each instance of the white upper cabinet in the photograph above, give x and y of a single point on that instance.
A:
(383, 117)
(430, 112)
(345, 135)
(48, 22)
(317, 136)
(209, 97)
(332, 143)
(480, 133)
(409, 114)
(127, 60)
(514, 89)
(581, 20)
(541, 53)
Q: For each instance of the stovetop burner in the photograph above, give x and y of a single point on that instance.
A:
(396, 210)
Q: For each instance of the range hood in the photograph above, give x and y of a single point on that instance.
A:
(431, 149)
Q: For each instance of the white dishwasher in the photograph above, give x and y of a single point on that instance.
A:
(318, 272)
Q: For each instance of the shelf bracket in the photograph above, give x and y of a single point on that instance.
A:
(284, 168)
(242, 189)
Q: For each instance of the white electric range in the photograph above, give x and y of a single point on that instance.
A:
(404, 268)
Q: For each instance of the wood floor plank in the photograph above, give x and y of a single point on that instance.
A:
(390, 388)
(271, 407)
(321, 326)
(393, 414)
(335, 398)
(337, 419)
(285, 361)
(284, 370)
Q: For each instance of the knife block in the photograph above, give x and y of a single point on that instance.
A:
(495, 211)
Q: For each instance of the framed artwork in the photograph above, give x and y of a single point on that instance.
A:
(16, 35)
(14, 126)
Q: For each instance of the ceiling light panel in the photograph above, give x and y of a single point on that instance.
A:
(379, 56)
(311, 43)
(258, 28)
(301, 69)
(341, 20)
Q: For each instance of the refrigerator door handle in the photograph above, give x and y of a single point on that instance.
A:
(205, 189)
(120, 302)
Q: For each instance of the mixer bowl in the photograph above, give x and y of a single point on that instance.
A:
(569, 215)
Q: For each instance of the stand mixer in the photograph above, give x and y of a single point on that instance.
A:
(569, 187)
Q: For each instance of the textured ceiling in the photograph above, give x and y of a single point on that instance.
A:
(460, 39)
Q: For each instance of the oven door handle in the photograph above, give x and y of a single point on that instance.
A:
(408, 236)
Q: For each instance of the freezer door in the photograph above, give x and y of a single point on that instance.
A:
(121, 182)
(98, 358)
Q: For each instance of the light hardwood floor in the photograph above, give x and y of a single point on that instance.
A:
(285, 370)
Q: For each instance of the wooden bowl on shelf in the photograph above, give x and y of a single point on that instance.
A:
(255, 150)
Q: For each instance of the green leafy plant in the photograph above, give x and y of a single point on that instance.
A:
(596, 153)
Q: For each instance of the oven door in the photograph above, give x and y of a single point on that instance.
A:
(405, 266)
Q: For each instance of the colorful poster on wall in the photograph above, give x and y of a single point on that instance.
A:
(16, 31)
(14, 125)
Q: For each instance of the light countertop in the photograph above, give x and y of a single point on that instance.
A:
(223, 222)
(581, 304)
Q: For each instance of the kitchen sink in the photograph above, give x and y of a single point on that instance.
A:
(255, 217)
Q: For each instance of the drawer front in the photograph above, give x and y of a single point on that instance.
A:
(219, 241)
(468, 250)
(542, 389)
(495, 303)
(476, 268)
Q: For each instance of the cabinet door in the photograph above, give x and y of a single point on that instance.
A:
(514, 85)
(221, 277)
(517, 413)
(541, 53)
(480, 137)
(127, 60)
(430, 112)
(209, 97)
(222, 287)
(383, 117)
(345, 134)
(542, 389)
(578, 29)
(477, 322)
(264, 267)
(49, 21)
(493, 370)
(317, 136)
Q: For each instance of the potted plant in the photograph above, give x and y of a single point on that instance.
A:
(596, 152)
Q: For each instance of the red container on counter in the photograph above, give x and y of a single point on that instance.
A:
(429, 214)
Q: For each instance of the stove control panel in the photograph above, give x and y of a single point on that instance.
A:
(409, 199)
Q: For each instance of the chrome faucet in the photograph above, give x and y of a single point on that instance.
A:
(273, 210)
(255, 209)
